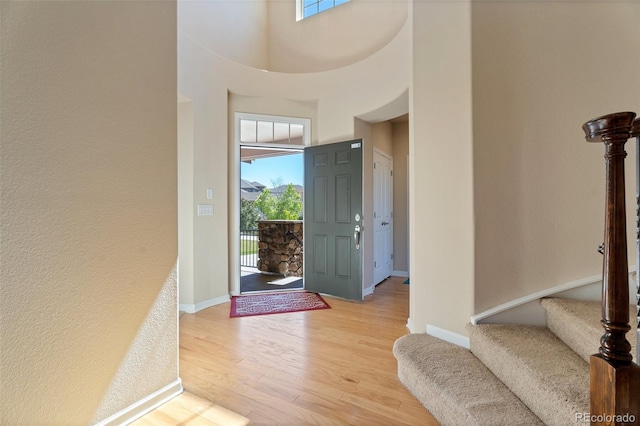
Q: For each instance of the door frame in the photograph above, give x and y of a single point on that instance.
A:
(233, 175)
(389, 157)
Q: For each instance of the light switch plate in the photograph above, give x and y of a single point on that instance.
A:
(209, 193)
(205, 209)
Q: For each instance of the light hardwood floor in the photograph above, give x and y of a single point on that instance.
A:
(325, 367)
(188, 409)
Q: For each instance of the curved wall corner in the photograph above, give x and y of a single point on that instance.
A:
(232, 29)
(334, 38)
(266, 35)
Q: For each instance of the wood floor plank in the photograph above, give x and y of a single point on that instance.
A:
(308, 383)
(326, 367)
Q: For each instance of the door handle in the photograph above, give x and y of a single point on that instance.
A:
(384, 223)
(356, 236)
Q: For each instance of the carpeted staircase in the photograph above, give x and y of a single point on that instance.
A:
(514, 374)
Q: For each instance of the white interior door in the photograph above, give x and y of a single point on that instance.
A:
(382, 216)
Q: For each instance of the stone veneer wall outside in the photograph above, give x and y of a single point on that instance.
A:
(279, 251)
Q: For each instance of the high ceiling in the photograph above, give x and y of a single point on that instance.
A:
(264, 34)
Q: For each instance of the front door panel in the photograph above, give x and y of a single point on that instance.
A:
(332, 215)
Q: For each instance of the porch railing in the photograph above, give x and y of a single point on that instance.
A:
(249, 245)
(615, 378)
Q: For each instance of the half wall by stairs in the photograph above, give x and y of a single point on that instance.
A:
(514, 374)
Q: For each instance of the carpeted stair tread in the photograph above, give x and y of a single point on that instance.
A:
(577, 324)
(455, 386)
(551, 379)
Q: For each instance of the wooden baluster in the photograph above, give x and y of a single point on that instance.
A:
(635, 132)
(615, 380)
(614, 130)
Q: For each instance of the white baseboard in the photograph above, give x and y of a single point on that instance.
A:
(529, 313)
(145, 405)
(192, 309)
(410, 325)
(400, 273)
(448, 336)
(531, 301)
(527, 310)
(367, 291)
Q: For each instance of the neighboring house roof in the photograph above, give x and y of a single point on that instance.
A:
(258, 185)
(279, 190)
(245, 185)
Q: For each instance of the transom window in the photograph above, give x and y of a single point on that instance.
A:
(307, 8)
(273, 130)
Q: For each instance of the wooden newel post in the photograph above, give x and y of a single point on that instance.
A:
(615, 380)
(635, 133)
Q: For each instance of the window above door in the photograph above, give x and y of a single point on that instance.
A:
(265, 130)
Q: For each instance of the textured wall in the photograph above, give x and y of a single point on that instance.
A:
(234, 29)
(186, 206)
(441, 181)
(538, 186)
(88, 218)
(151, 360)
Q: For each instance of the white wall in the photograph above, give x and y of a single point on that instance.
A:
(441, 156)
(234, 29)
(400, 135)
(200, 82)
(186, 206)
(382, 137)
(538, 71)
(88, 218)
(538, 186)
(207, 78)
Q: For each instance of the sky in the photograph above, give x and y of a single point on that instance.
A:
(266, 170)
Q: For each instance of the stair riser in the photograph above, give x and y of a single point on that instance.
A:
(431, 398)
(526, 378)
(454, 385)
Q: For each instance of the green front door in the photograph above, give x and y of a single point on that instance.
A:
(333, 219)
